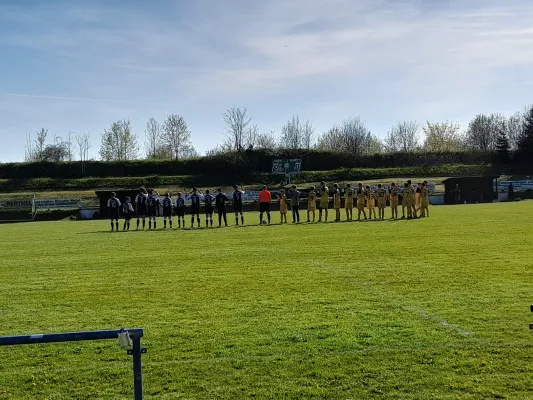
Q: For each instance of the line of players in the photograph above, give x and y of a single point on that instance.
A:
(147, 203)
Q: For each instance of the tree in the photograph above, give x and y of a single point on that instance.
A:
(153, 144)
(34, 151)
(332, 140)
(176, 137)
(266, 140)
(297, 135)
(502, 147)
(403, 137)
(308, 135)
(237, 128)
(352, 137)
(525, 141)
(119, 143)
(483, 130)
(54, 153)
(442, 137)
(515, 126)
(83, 140)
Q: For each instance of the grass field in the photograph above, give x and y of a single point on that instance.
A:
(429, 309)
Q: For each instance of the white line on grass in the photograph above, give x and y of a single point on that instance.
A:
(370, 287)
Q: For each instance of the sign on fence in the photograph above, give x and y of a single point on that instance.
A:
(287, 166)
(518, 186)
(43, 204)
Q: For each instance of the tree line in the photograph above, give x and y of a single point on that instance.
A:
(172, 139)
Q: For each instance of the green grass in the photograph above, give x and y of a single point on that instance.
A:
(429, 309)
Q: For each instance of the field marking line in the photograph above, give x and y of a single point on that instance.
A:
(394, 298)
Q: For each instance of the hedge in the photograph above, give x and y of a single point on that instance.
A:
(251, 162)
(212, 180)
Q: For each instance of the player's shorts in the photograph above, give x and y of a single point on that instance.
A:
(238, 208)
(311, 207)
(167, 212)
(348, 205)
(114, 214)
(195, 209)
(127, 217)
(371, 204)
(394, 202)
(141, 211)
(412, 202)
(424, 203)
(222, 210)
(283, 209)
(323, 206)
(264, 207)
(382, 203)
(180, 211)
(208, 208)
(152, 212)
(405, 202)
(360, 206)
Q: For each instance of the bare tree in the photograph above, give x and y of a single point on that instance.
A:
(483, 131)
(515, 127)
(251, 137)
(34, 151)
(119, 143)
(442, 137)
(83, 141)
(176, 137)
(69, 147)
(291, 134)
(153, 141)
(266, 140)
(308, 135)
(237, 127)
(402, 137)
(332, 140)
(352, 137)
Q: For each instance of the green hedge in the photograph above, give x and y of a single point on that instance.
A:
(252, 162)
(353, 174)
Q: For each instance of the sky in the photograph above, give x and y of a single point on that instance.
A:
(77, 66)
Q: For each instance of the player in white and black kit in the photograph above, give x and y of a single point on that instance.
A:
(220, 201)
(127, 211)
(180, 210)
(195, 207)
(168, 206)
(114, 210)
(140, 206)
(237, 204)
(208, 206)
(152, 204)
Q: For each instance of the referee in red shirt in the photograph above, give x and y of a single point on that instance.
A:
(265, 197)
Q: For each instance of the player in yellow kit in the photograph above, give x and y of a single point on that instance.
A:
(412, 198)
(424, 200)
(371, 202)
(311, 204)
(337, 202)
(361, 199)
(283, 206)
(348, 201)
(324, 202)
(393, 198)
(381, 196)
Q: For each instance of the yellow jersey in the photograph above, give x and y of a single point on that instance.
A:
(424, 194)
(393, 192)
(337, 199)
(311, 199)
(324, 197)
(348, 195)
(361, 196)
(381, 194)
(370, 196)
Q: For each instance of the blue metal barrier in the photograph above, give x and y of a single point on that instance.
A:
(134, 334)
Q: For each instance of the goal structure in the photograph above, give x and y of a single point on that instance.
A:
(17, 207)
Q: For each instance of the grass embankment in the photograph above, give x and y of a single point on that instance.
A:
(429, 309)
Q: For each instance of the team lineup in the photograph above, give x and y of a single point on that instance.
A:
(147, 205)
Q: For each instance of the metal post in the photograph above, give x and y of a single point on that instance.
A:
(137, 368)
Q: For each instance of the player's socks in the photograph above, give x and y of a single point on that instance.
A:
(150, 224)
(198, 220)
(242, 220)
(237, 221)
(165, 223)
(144, 223)
(138, 222)
(155, 223)
(125, 223)
(112, 226)
(116, 225)
(170, 224)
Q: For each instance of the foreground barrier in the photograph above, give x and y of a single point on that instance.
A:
(128, 338)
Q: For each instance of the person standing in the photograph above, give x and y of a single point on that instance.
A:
(195, 207)
(140, 206)
(348, 201)
(208, 207)
(424, 201)
(220, 201)
(337, 202)
(457, 194)
(283, 206)
(168, 206)
(180, 210)
(237, 204)
(294, 196)
(511, 192)
(114, 210)
(370, 202)
(265, 197)
(361, 199)
(393, 197)
(311, 204)
(127, 211)
(381, 195)
(324, 202)
(152, 204)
